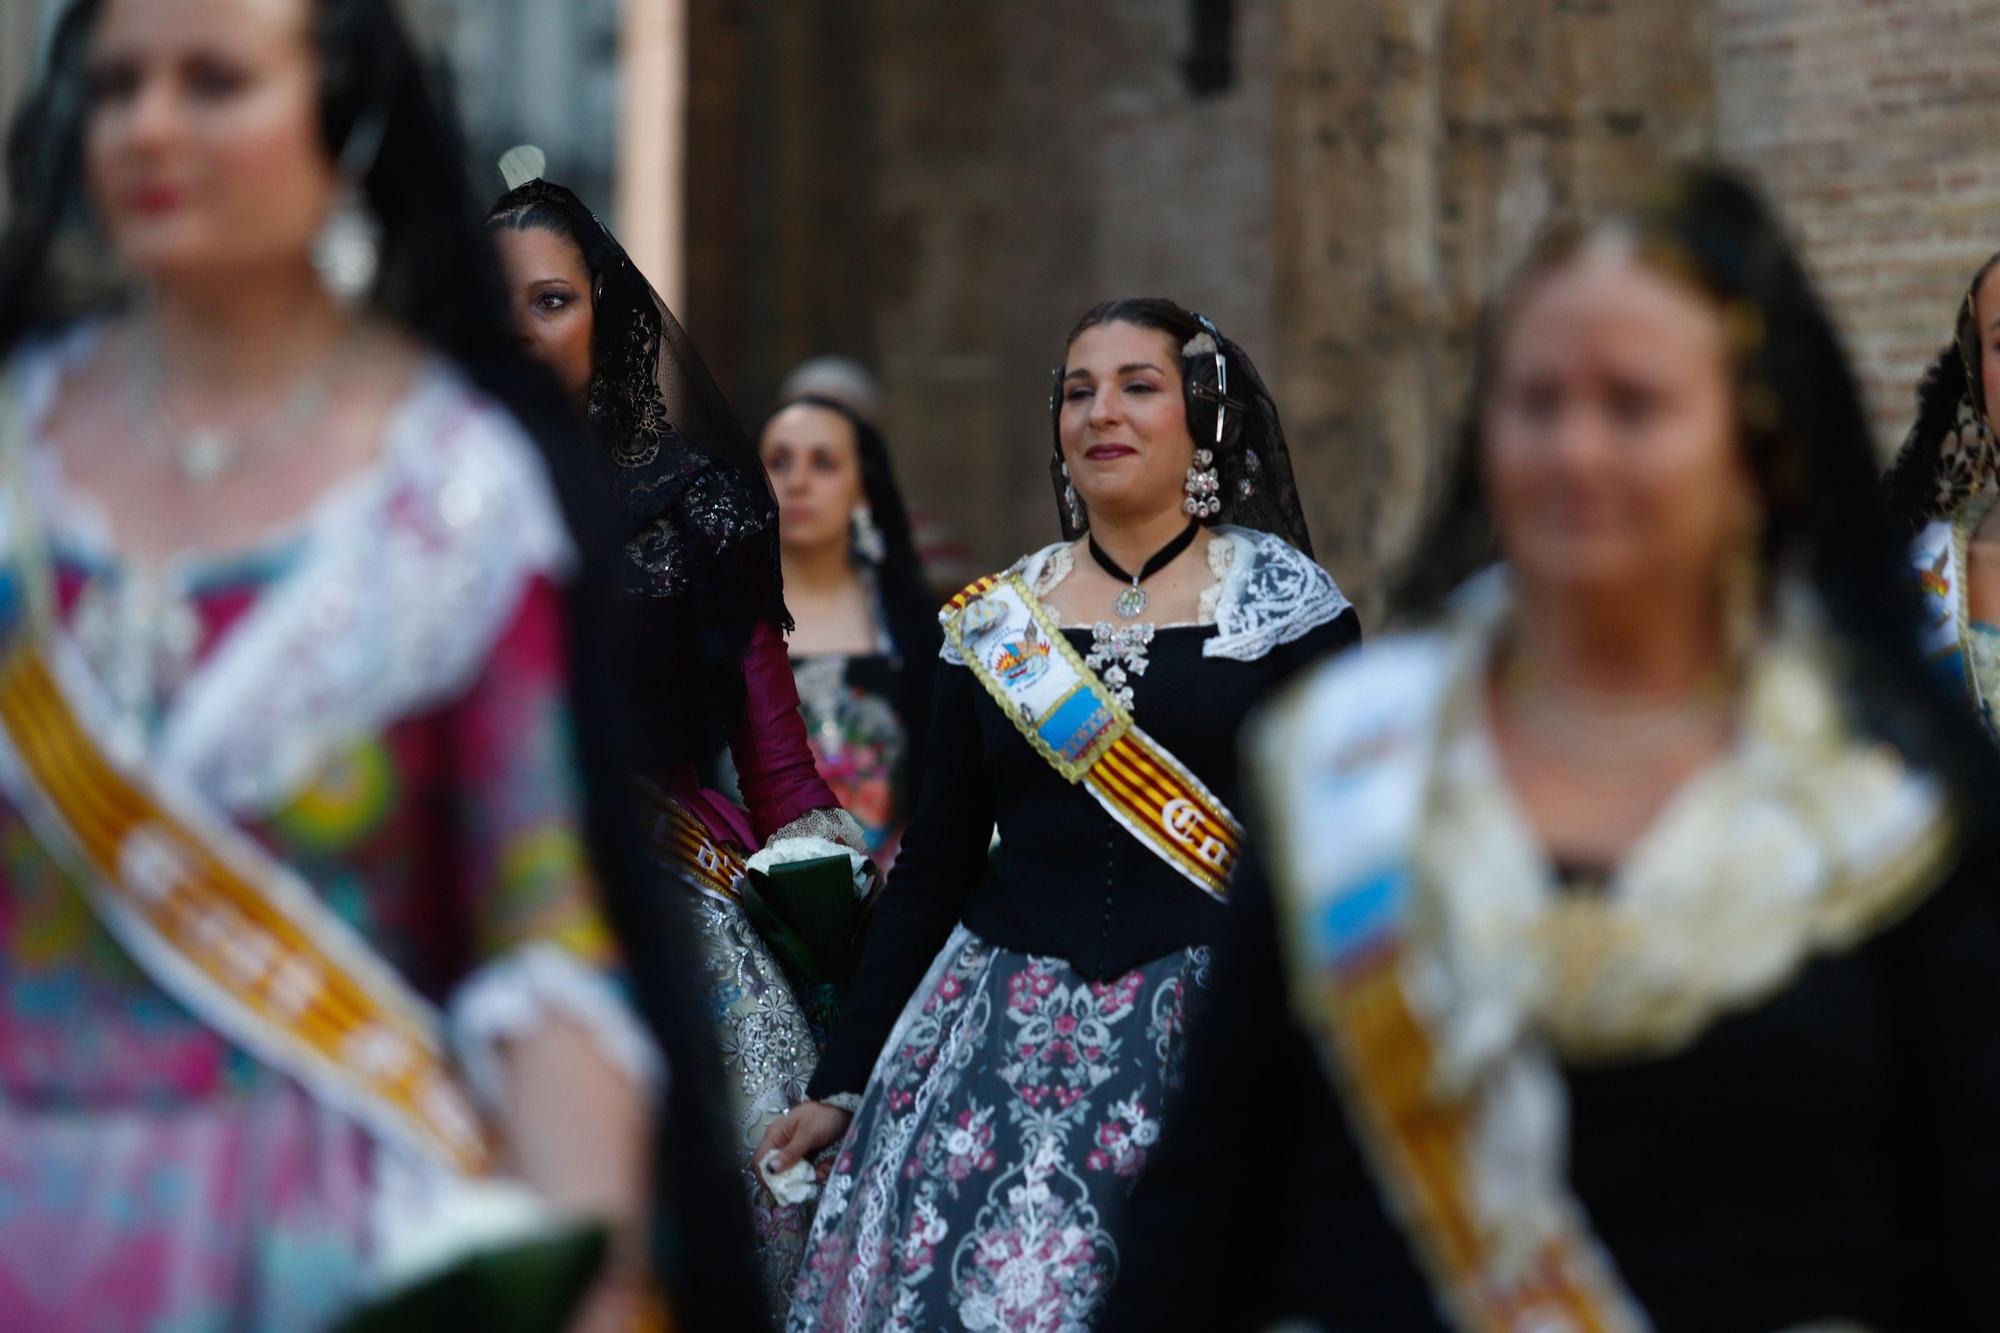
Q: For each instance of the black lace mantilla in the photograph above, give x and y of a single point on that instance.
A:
(697, 517)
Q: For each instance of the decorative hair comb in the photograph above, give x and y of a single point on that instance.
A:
(1209, 343)
(522, 164)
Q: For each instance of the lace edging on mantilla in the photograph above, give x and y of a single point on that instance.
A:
(1267, 593)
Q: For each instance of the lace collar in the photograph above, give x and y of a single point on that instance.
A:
(404, 578)
(1803, 839)
(1266, 593)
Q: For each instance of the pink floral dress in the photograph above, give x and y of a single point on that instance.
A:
(377, 697)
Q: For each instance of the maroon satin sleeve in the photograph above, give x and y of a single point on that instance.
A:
(774, 764)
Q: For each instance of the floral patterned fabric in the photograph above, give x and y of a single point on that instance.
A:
(860, 744)
(153, 1176)
(1012, 1110)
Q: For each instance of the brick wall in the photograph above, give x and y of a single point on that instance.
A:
(1878, 126)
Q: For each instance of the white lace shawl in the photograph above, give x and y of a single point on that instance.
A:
(406, 577)
(1266, 592)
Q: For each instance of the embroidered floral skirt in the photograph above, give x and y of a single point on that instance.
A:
(1008, 1117)
(768, 1053)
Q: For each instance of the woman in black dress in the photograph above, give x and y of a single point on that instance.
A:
(1028, 1017)
(700, 639)
(1621, 952)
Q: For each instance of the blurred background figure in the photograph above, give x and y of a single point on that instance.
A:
(865, 643)
(304, 960)
(705, 652)
(1942, 487)
(1023, 1021)
(940, 549)
(1621, 948)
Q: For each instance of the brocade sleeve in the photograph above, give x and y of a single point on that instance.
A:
(539, 944)
(774, 761)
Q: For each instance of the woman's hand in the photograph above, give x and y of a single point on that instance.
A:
(800, 1133)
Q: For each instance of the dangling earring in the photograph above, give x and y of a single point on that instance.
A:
(1074, 503)
(867, 540)
(347, 253)
(348, 250)
(1203, 483)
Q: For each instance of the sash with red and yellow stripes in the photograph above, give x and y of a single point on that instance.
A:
(226, 928)
(1072, 719)
(713, 868)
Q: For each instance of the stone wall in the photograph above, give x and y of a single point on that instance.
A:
(1878, 126)
(1418, 148)
(943, 189)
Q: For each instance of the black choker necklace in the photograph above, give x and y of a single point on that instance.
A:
(1132, 601)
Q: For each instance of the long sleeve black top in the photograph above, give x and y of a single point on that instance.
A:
(1069, 881)
(1832, 1153)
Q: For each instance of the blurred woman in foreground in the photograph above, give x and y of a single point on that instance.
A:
(301, 956)
(1621, 952)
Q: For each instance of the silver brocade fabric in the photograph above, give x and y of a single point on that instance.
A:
(768, 1053)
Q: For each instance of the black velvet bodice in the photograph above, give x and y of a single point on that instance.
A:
(1068, 880)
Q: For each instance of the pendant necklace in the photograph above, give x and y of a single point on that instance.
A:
(204, 455)
(1132, 601)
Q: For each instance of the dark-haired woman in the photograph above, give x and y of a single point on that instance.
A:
(864, 649)
(1023, 1024)
(301, 959)
(1943, 486)
(1621, 951)
(698, 526)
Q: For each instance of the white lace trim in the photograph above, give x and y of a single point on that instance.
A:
(831, 823)
(1056, 563)
(1221, 559)
(1799, 842)
(514, 995)
(1266, 593)
(1272, 595)
(784, 851)
(407, 576)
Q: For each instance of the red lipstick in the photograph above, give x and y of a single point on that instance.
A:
(155, 200)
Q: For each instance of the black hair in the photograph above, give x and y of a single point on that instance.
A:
(1257, 489)
(440, 282)
(1804, 436)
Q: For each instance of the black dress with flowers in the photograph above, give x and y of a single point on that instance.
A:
(1023, 1014)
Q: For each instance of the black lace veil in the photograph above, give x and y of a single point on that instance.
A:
(1252, 460)
(1949, 453)
(697, 519)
